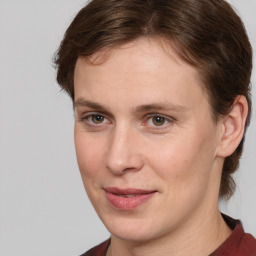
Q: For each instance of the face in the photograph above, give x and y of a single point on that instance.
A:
(145, 141)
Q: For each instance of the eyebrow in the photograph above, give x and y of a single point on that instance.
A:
(159, 107)
(80, 102)
(139, 109)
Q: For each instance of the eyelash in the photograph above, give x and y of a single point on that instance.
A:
(167, 120)
(89, 123)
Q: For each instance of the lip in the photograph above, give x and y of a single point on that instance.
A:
(127, 199)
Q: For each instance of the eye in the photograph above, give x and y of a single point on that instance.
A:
(94, 119)
(158, 120)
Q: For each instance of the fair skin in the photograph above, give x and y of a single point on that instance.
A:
(143, 122)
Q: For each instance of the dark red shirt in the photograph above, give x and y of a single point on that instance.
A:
(237, 244)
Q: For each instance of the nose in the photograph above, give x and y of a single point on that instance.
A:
(123, 153)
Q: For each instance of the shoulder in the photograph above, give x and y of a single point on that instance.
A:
(247, 245)
(99, 250)
(239, 243)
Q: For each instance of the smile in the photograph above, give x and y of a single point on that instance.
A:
(127, 199)
(128, 196)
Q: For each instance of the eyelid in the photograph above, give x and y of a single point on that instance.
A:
(85, 116)
(160, 115)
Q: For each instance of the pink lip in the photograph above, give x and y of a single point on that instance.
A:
(126, 199)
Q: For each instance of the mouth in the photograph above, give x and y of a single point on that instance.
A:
(129, 196)
(127, 199)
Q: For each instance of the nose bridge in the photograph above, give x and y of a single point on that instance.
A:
(123, 153)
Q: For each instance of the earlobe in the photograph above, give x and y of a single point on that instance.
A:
(233, 126)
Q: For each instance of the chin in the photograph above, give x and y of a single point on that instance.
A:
(131, 229)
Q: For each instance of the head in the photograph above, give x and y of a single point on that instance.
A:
(156, 97)
(209, 42)
(207, 35)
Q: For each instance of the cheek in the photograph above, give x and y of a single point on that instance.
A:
(89, 155)
(184, 164)
(185, 177)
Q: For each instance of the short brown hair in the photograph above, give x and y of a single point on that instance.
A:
(207, 34)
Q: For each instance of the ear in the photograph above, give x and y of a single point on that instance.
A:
(233, 126)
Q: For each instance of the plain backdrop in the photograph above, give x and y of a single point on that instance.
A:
(44, 210)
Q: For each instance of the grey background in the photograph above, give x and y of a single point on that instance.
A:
(43, 207)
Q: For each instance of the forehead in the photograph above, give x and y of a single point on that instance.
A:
(148, 66)
(151, 46)
(147, 54)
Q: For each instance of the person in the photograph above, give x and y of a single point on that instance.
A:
(161, 94)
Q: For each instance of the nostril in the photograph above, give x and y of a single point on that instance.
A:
(132, 163)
